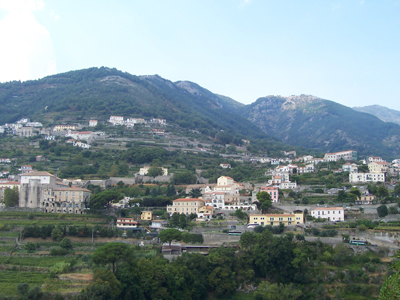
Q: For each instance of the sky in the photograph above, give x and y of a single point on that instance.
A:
(346, 51)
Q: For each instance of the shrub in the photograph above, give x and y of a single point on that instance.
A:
(58, 251)
(57, 234)
(362, 227)
(60, 267)
(66, 244)
(382, 211)
(30, 247)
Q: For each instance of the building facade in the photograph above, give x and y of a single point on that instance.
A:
(330, 213)
(185, 206)
(277, 219)
(349, 155)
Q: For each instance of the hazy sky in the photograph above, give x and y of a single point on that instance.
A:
(346, 51)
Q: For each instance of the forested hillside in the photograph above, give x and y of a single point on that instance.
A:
(101, 92)
(325, 125)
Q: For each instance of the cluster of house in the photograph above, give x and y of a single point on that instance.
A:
(49, 193)
(378, 169)
(224, 195)
(130, 122)
(22, 128)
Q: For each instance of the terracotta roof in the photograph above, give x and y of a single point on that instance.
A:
(188, 199)
(274, 215)
(38, 173)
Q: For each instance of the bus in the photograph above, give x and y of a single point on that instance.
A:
(358, 242)
(232, 232)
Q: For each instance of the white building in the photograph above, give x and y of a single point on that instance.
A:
(81, 145)
(92, 123)
(80, 135)
(158, 121)
(34, 124)
(366, 177)
(351, 168)
(330, 213)
(116, 120)
(349, 155)
(375, 159)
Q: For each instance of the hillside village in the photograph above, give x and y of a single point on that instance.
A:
(322, 196)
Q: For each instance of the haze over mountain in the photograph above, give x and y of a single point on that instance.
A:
(383, 113)
(313, 122)
(305, 121)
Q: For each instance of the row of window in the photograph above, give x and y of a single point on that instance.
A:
(272, 219)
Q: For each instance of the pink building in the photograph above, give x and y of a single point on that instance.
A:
(273, 191)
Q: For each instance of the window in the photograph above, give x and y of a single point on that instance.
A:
(271, 219)
(280, 219)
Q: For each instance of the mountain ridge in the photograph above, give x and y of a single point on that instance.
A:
(298, 120)
(384, 113)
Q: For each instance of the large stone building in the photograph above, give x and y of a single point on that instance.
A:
(46, 191)
(72, 200)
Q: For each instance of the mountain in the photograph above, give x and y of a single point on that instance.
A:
(313, 122)
(383, 113)
(101, 92)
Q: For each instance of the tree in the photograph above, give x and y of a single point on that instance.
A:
(182, 221)
(174, 221)
(155, 171)
(382, 211)
(11, 196)
(248, 239)
(103, 199)
(355, 191)
(397, 190)
(105, 277)
(240, 214)
(264, 201)
(195, 193)
(112, 253)
(66, 244)
(169, 235)
(382, 192)
(391, 286)
(57, 233)
(186, 177)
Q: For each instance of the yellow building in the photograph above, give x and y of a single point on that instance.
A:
(205, 212)
(146, 215)
(185, 206)
(276, 219)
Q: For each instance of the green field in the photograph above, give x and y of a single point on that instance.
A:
(9, 280)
